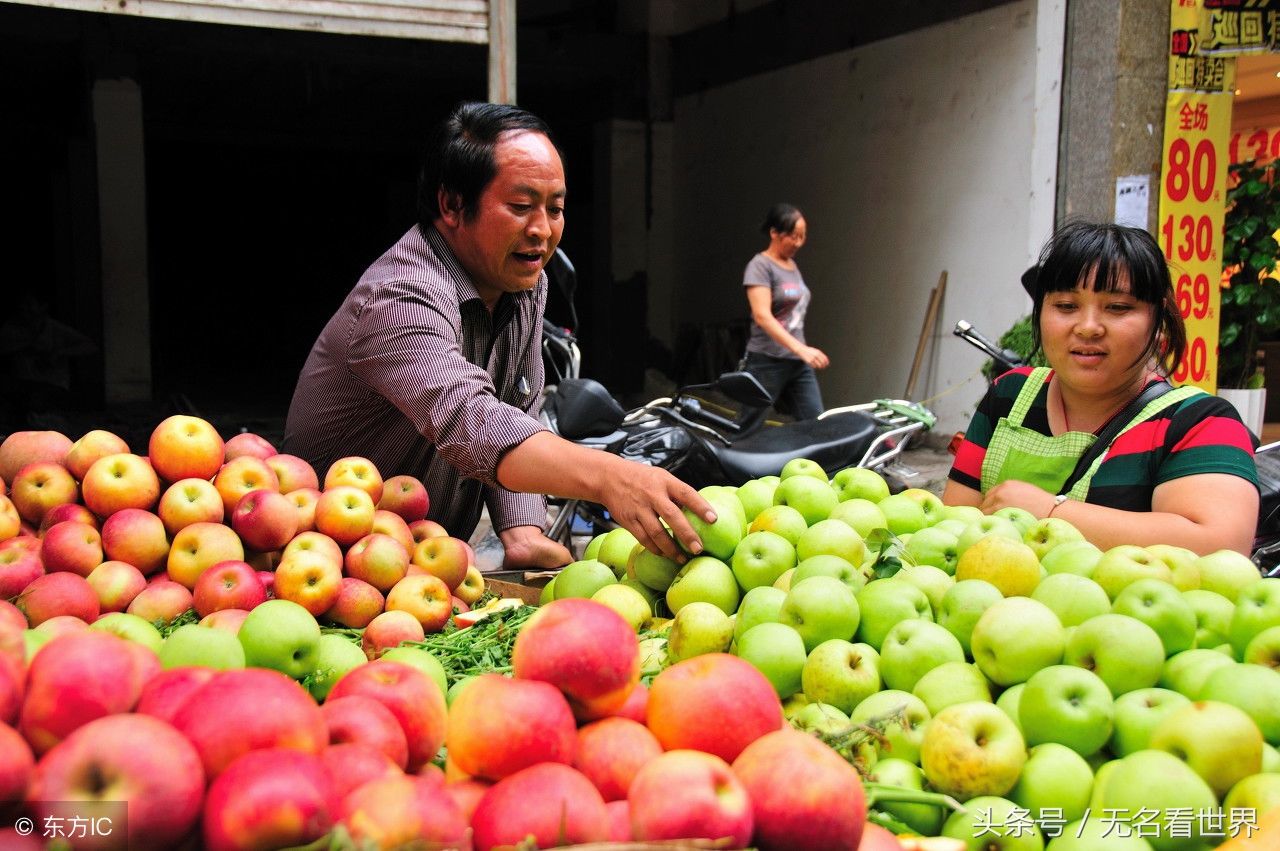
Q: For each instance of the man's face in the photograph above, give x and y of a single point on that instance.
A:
(518, 221)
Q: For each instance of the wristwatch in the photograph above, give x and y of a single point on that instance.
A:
(1057, 501)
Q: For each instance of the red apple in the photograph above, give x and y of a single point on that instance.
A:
(425, 597)
(135, 760)
(877, 838)
(166, 692)
(89, 448)
(311, 581)
(611, 751)
(390, 524)
(293, 473)
(271, 798)
(58, 594)
(17, 764)
(198, 547)
(248, 443)
(116, 584)
(423, 529)
(190, 501)
(227, 619)
(357, 473)
(116, 482)
(358, 718)
(357, 605)
(636, 706)
(13, 673)
(39, 487)
(162, 600)
(712, 803)
(406, 496)
(227, 585)
(304, 505)
(379, 560)
(353, 764)
(31, 447)
(185, 447)
(498, 726)
(387, 630)
(73, 547)
(18, 568)
(689, 701)
(447, 558)
(61, 625)
(239, 476)
(345, 514)
(293, 720)
(467, 794)
(551, 802)
(394, 812)
(137, 537)
(70, 511)
(265, 520)
(413, 698)
(314, 542)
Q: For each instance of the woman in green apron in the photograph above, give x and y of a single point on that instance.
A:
(1171, 465)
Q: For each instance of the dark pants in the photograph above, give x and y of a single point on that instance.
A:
(790, 381)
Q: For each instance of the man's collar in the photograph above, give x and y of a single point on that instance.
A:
(440, 247)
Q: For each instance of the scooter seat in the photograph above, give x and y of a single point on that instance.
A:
(836, 442)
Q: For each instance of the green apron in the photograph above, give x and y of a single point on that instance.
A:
(1046, 461)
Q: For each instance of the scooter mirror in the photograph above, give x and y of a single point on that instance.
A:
(745, 388)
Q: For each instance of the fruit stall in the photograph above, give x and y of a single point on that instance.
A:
(205, 643)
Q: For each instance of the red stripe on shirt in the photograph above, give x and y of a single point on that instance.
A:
(969, 457)
(1143, 437)
(1221, 431)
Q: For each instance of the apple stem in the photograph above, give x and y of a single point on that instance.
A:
(881, 792)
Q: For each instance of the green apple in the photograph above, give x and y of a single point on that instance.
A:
(761, 558)
(627, 601)
(1014, 638)
(1126, 653)
(902, 514)
(1270, 759)
(841, 673)
(699, 628)
(615, 550)
(548, 592)
(653, 656)
(719, 539)
(193, 645)
(653, 570)
(1163, 608)
(1019, 517)
(1256, 793)
(1257, 608)
(953, 525)
(581, 579)
(456, 689)
(422, 659)
(859, 483)
(1264, 648)
(32, 641)
(991, 823)
(1055, 783)
(963, 605)
(933, 546)
(726, 496)
(884, 602)
(923, 819)
(929, 501)
(1049, 533)
(131, 628)
(594, 545)
(835, 567)
(811, 496)
(972, 749)
(777, 651)
(1006, 563)
(650, 595)
(1067, 705)
(1073, 598)
(1182, 565)
(757, 495)
(820, 608)
(1009, 702)
(1186, 672)
(966, 514)
(335, 656)
(951, 682)
(1220, 742)
(913, 648)
(1213, 616)
(1227, 572)
(704, 579)
(989, 524)
(1254, 689)
(759, 605)
(281, 635)
(815, 717)
(782, 519)
(783, 582)
(900, 716)
(831, 537)
(1078, 557)
(1096, 833)
(1125, 564)
(933, 581)
(1137, 714)
(1153, 780)
(803, 467)
(863, 515)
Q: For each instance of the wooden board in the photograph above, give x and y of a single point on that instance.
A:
(502, 588)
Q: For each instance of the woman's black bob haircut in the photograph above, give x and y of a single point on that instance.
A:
(1123, 259)
(782, 218)
(459, 155)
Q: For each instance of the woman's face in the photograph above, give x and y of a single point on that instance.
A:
(789, 243)
(1095, 340)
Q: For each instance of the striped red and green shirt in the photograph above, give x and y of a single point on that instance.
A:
(1202, 434)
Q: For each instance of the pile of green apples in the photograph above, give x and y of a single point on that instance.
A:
(1069, 698)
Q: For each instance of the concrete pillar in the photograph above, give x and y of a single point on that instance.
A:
(502, 51)
(122, 216)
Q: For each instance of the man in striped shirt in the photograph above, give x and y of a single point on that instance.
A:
(432, 365)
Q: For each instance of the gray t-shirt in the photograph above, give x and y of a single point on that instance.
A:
(790, 300)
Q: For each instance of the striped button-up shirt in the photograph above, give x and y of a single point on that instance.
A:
(416, 375)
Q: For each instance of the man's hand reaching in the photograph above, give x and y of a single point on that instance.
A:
(641, 498)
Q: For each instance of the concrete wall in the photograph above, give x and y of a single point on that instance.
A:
(909, 156)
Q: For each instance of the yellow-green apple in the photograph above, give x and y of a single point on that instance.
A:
(19, 567)
(1078, 557)
(185, 447)
(704, 579)
(314, 542)
(472, 587)
(633, 606)
(270, 797)
(1162, 607)
(39, 487)
(933, 546)
(116, 583)
(859, 483)
(965, 514)
(611, 751)
(55, 594)
(1166, 790)
(389, 629)
(1020, 517)
(229, 620)
(793, 780)
(265, 520)
(356, 472)
(652, 570)
(972, 749)
(129, 761)
(445, 558)
(304, 503)
(1008, 564)
(1186, 672)
(31, 447)
(10, 522)
(241, 475)
(989, 821)
(1089, 833)
(137, 537)
(933, 581)
(406, 496)
(1182, 565)
(73, 547)
(811, 496)
(345, 514)
(782, 519)
(228, 584)
(756, 495)
(841, 674)
(1015, 637)
(1125, 564)
(74, 679)
(1257, 608)
(293, 473)
(415, 701)
(759, 605)
(424, 596)
(190, 501)
(198, 547)
(431, 529)
(310, 580)
(913, 648)
(922, 819)
(1137, 713)
(547, 804)
(1045, 534)
(987, 525)
(1252, 688)
(280, 635)
(688, 700)
(615, 550)
(116, 482)
(32, 641)
(1073, 598)
(360, 719)
(391, 524)
(201, 646)
(1126, 653)
(398, 811)
(778, 652)
(903, 515)
(712, 803)
(698, 628)
(1213, 616)
(1264, 648)
(831, 537)
(1067, 705)
(1257, 794)
(928, 501)
(336, 655)
(862, 515)
(248, 443)
(162, 600)
(91, 446)
(885, 602)
(358, 603)
(802, 467)
(1220, 742)
(951, 682)
(761, 557)
(820, 608)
